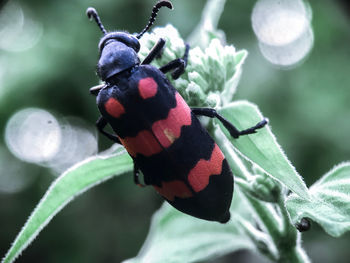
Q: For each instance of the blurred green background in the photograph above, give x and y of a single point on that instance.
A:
(49, 63)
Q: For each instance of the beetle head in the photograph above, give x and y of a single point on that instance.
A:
(118, 50)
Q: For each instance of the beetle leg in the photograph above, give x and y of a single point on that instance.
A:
(155, 51)
(101, 124)
(187, 50)
(178, 65)
(235, 133)
(137, 175)
(96, 89)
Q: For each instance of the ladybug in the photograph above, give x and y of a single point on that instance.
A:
(159, 130)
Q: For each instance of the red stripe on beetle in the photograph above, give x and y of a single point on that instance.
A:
(169, 129)
(114, 108)
(144, 143)
(163, 134)
(198, 177)
(170, 190)
(147, 88)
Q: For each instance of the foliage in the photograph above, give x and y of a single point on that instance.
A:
(263, 176)
(329, 202)
(70, 184)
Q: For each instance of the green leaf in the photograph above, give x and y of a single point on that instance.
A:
(240, 57)
(262, 148)
(64, 189)
(176, 238)
(329, 205)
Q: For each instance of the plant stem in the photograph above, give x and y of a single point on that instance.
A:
(261, 240)
(236, 164)
(294, 255)
(285, 246)
(288, 229)
(267, 217)
(209, 21)
(283, 234)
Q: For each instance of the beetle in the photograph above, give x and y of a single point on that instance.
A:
(159, 130)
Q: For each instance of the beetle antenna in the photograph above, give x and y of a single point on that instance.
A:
(155, 10)
(92, 13)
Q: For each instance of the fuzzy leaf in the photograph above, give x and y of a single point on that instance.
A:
(262, 148)
(329, 205)
(176, 238)
(212, 71)
(64, 189)
(207, 27)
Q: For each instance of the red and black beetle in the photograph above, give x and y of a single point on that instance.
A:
(158, 129)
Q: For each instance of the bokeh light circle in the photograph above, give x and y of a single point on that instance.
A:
(33, 135)
(19, 30)
(283, 30)
(80, 142)
(289, 55)
(36, 136)
(279, 22)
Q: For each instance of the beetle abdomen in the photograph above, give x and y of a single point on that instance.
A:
(206, 189)
(162, 133)
(175, 153)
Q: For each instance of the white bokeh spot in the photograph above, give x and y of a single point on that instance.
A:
(36, 136)
(33, 135)
(284, 30)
